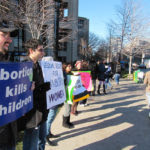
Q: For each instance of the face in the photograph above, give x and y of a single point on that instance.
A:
(79, 66)
(38, 53)
(5, 41)
(68, 68)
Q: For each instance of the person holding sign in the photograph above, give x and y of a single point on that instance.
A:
(35, 132)
(78, 66)
(66, 116)
(8, 133)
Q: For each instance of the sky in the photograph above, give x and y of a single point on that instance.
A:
(100, 12)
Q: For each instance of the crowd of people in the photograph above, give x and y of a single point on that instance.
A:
(36, 123)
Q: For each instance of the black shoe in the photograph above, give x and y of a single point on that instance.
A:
(68, 125)
(53, 136)
(71, 125)
(50, 142)
(98, 92)
(105, 93)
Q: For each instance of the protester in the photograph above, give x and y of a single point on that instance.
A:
(117, 73)
(67, 110)
(35, 132)
(78, 66)
(101, 77)
(108, 75)
(93, 68)
(147, 83)
(84, 68)
(8, 133)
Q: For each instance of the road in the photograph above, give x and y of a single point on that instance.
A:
(116, 121)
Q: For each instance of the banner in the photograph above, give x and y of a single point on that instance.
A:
(86, 79)
(75, 90)
(52, 72)
(15, 90)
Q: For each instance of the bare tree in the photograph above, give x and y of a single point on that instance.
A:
(132, 27)
(94, 42)
(102, 52)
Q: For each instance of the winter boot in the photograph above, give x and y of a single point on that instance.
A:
(66, 123)
(98, 91)
(71, 124)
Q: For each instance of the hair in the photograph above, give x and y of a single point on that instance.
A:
(33, 44)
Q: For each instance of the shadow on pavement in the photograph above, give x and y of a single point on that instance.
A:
(137, 135)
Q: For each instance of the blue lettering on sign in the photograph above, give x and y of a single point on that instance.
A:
(56, 96)
(48, 65)
(56, 82)
(15, 94)
(59, 66)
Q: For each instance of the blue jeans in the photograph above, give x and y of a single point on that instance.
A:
(107, 82)
(50, 119)
(42, 136)
(35, 138)
(117, 77)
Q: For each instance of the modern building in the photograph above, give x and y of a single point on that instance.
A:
(68, 31)
(67, 37)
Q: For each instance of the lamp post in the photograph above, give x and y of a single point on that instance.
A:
(57, 12)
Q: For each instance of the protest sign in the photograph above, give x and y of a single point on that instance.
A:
(52, 72)
(75, 90)
(86, 79)
(15, 90)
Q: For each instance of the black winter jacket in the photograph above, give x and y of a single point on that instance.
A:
(101, 72)
(8, 133)
(94, 69)
(39, 112)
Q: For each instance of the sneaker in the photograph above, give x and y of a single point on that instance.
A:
(86, 104)
(82, 104)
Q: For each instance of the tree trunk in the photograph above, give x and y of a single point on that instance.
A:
(130, 64)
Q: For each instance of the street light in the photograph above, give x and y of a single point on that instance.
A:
(57, 10)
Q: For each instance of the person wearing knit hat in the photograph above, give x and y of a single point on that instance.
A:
(8, 132)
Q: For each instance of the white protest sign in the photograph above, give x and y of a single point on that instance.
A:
(78, 87)
(52, 72)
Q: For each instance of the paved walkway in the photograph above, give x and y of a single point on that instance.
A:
(117, 121)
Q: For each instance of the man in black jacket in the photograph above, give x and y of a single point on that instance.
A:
(8, 133)
(94, 69)
(35, 133)
(101, 77)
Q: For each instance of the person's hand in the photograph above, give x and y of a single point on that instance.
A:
(75, 73)
(33, 86)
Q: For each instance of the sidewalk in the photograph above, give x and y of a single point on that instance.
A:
(116, 121)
